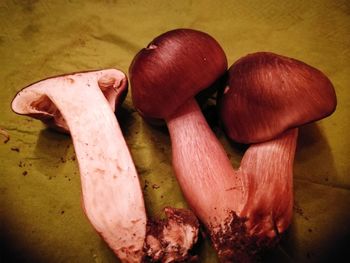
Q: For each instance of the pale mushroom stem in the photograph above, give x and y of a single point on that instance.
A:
(259, 192)
(202, 167)
(111, 192)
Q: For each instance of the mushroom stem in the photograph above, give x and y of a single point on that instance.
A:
(112, 196)
(268, 167)
(202, 167)
(241, 208)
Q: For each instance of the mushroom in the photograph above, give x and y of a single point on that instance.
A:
(82, 104)
(164, 78)
(267, 98)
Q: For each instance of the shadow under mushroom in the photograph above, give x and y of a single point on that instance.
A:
(314, 161)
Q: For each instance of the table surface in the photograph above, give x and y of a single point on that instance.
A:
(40, 210)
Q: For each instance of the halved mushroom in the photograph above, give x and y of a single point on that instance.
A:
(83, 104)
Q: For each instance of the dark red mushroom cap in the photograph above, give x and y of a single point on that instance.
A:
(269, 93)
(174, 68)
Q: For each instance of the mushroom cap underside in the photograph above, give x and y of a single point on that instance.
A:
(33, 100)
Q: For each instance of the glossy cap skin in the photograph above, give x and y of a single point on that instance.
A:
(268, 94)
(174, 67)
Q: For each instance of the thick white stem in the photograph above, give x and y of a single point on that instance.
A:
(112, 196)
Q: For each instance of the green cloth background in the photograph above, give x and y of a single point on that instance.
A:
(40, 212)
